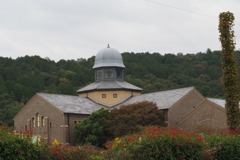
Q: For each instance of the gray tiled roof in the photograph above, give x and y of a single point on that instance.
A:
(220, 102)
(71, 104)
(108, 85)
(163, 99)
(80, 105)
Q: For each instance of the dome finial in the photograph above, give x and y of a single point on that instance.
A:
(108, 46)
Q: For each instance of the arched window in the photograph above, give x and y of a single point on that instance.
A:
(38, 119)
(42, 121)
(33, 122)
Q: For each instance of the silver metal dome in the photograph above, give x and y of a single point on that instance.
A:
(108, 57)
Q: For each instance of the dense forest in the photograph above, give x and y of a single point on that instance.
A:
(21, 78)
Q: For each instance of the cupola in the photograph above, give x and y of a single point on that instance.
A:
(109, 88)
(108, 57)
(108, 65)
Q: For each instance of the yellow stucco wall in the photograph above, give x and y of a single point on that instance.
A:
(83, 95)
(109, 100)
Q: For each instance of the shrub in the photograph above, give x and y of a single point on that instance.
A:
(158, 143)
(17, 146)
(20, 146)
(62, 152)
(129, 119)
(225, 146)
(91, 130)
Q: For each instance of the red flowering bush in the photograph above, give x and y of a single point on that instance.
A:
(17, 146)
(20, 146)
(172, 143)
(152, 143)
(158, 143)
(62, 152)
(129, 119)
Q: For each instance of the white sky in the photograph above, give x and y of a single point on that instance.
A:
(72, 29)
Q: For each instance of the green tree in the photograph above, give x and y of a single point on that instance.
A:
(8, 109)
(91, 129)
(21, 78)
(229, 66)
(131, 118)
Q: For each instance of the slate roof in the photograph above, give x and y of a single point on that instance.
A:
(220, 102)
(80, 105)
(163, 99)
(71, 104)
(108, 85)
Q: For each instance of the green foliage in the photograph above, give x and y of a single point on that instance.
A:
(14, 146)
(155, 72)
(91, 130)
(224, 146)
(171, 143)
(229, 149)
(21, 78)
(20, 147)
(8, 109)
(230, 70)
(62, 152)
(131, 118)
(103, 125)
(152, 143)
(157, 143)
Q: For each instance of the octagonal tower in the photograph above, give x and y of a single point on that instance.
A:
(108, 65)
(109, 88)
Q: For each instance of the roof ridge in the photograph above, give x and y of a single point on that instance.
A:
(39, 93)
(118, 83)
(215, 98)
(167, 90)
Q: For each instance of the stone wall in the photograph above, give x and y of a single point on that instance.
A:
(183, 107)
(207, 116)
(48, 125)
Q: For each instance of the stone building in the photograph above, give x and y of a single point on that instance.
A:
(54, 116)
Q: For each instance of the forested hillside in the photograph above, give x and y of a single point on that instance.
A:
(21, 78)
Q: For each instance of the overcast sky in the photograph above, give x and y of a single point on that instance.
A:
(72, 29)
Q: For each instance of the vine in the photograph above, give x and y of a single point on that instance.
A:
(229, 67)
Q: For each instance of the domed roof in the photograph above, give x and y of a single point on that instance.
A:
(108, 57)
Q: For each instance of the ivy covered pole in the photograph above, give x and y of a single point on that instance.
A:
(229, 67)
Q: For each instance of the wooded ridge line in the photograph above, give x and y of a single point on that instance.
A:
(21, 78)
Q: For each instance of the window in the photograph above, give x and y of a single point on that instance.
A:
(33, 122)
(119, 73)
(38, 119)
(26, 128)
(104, 95)
(50, 124)
(98, 74)
(108, 73)
(75, 122)
(42, 121)
(115, 95)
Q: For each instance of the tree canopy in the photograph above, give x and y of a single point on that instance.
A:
(129, 119)
(91, 130)
(104, 125)
(21, 78)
